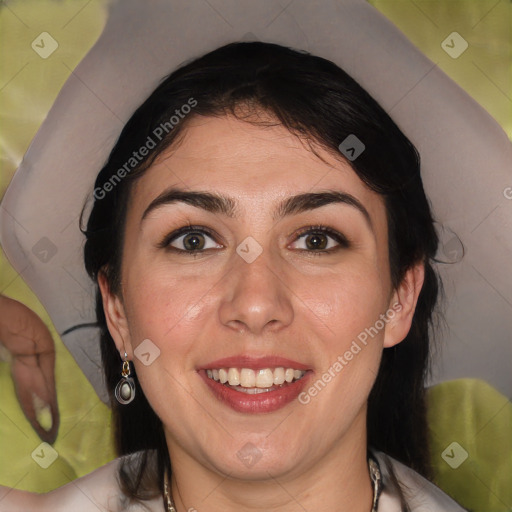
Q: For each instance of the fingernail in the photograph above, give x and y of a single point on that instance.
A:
(5, 355)
(43, 412)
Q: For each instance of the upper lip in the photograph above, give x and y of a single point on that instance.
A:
(256, 363)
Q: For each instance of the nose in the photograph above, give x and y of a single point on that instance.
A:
(256, 296)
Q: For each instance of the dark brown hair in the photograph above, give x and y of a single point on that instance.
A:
(316, 100)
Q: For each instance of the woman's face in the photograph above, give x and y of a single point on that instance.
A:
(253, 282)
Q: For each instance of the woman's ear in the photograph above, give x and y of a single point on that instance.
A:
(115, 316)
(403, 304)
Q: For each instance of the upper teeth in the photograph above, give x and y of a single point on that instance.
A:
(249, 378)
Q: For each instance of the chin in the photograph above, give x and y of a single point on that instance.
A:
(256, 458)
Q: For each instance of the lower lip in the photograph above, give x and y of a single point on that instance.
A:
(262, 402)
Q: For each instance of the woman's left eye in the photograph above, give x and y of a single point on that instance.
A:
(316, 239)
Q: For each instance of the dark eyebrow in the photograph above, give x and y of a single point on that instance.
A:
(228, 206)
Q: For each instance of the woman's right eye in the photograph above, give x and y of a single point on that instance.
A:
(189, 239)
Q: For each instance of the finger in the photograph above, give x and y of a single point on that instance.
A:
(36, 400)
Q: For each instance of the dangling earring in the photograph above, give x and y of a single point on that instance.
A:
(125, 389)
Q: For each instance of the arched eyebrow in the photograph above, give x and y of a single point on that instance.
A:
(216, 203)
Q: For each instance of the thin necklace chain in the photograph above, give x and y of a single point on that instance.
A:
(375, 476)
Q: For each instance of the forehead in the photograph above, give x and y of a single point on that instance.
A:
(258, 165)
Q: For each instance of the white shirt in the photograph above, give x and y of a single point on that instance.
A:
(420, 494)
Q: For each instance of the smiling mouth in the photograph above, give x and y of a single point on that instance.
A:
(252, 382)
(255, 390)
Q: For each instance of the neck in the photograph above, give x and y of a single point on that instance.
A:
(338, 480)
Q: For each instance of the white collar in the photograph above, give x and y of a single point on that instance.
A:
(421, 495)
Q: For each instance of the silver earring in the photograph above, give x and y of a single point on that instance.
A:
(125, 389)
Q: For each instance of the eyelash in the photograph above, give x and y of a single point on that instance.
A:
(310, 230)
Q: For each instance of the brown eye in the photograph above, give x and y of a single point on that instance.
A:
(193, 241)
(316, 241)
(189, 239)
(322, 239)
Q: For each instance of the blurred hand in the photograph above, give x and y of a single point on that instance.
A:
(32, 353)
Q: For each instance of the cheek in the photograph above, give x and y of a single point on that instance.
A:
(160, 305)
(162, 308)
(347, 310)
(346, 302)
